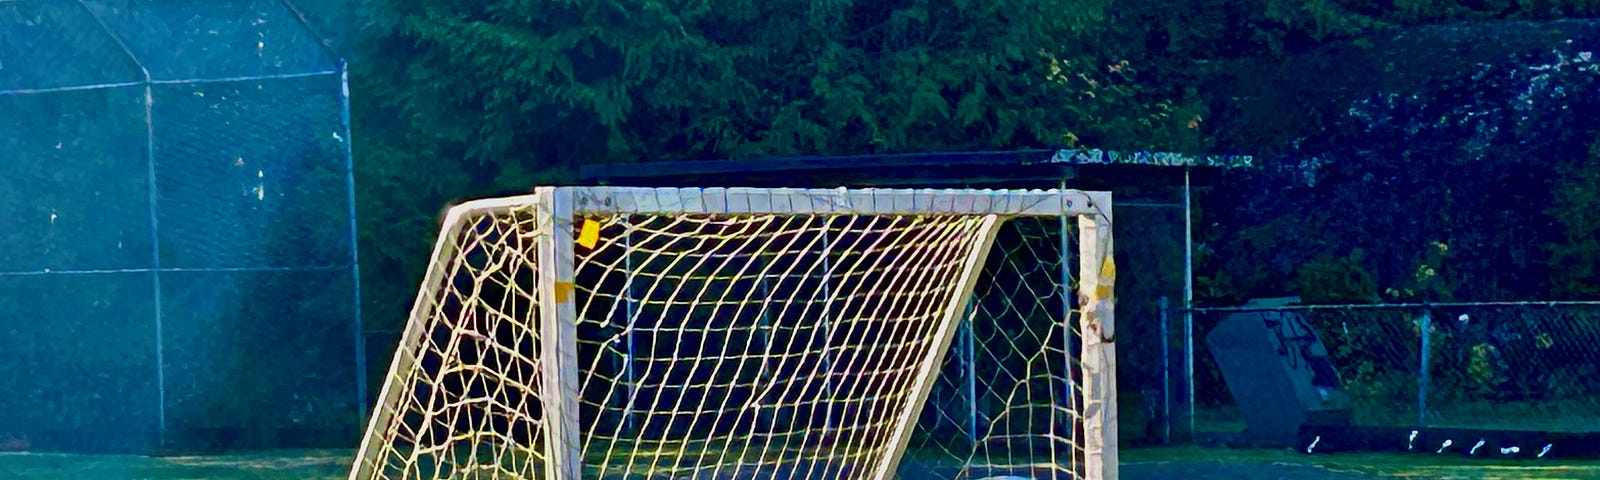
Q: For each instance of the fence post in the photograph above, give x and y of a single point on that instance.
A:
(1166, 374)
(355, 241)
(1424, 326)
(1188, 365)
(970, 352)
(1188, 295)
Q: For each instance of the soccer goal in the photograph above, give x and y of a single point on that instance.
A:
(655, 333)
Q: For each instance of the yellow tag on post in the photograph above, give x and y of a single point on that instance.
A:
(1108, 278)
(564, 291)
(589, 233)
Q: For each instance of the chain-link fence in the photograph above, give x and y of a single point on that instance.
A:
(177, 258)
(1005, 389)
(1522, 366)
(1008, 342)
(1150, 268)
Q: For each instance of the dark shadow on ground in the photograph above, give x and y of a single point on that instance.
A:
(1139, 464)
(1234, 471)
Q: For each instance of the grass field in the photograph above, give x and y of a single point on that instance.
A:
(1177, 463)
(1139, 464)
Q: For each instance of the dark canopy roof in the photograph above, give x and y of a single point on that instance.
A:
(1088, 168)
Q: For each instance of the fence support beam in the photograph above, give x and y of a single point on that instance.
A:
(1424, 326)
(1188, 297)
(1166, 374)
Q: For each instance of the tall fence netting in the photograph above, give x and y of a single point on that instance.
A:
(177, 267)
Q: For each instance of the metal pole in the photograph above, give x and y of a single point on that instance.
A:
(1188, 295)
(1064, 278)
(355, 257)
(971, 355)
(153, 197)
(1422, 369)
(633, 316)
(1166, 374)
(827, 332)
(155, 260)
(764, 331)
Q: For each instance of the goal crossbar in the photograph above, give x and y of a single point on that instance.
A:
(809, 201)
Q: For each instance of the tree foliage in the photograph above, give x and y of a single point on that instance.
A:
(511, 84)
(1456, 178)
(468, 98)
(1575, 254)
(1372, 106)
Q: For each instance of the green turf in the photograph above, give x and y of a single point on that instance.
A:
(1364, 465)
(275, 465)
(1137, 464)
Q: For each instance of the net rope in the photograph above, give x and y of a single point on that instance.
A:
(767, 345)
(747, 346)
(1007, 402)
(470, 404)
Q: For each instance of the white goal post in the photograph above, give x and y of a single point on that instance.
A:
(645, 333)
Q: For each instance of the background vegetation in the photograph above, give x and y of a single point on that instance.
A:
(1414, 149)
(1410, 150)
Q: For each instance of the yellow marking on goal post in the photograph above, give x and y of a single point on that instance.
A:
(1108, 278)
(589, 233)
(564, 291)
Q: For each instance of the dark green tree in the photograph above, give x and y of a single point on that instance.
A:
(471, 98)
(1575, 255)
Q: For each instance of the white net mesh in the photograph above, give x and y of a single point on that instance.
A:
(465, 396)
(765, 345)
(752, 345)
(1007, 401)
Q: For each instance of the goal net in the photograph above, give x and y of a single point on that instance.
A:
(643, 333)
